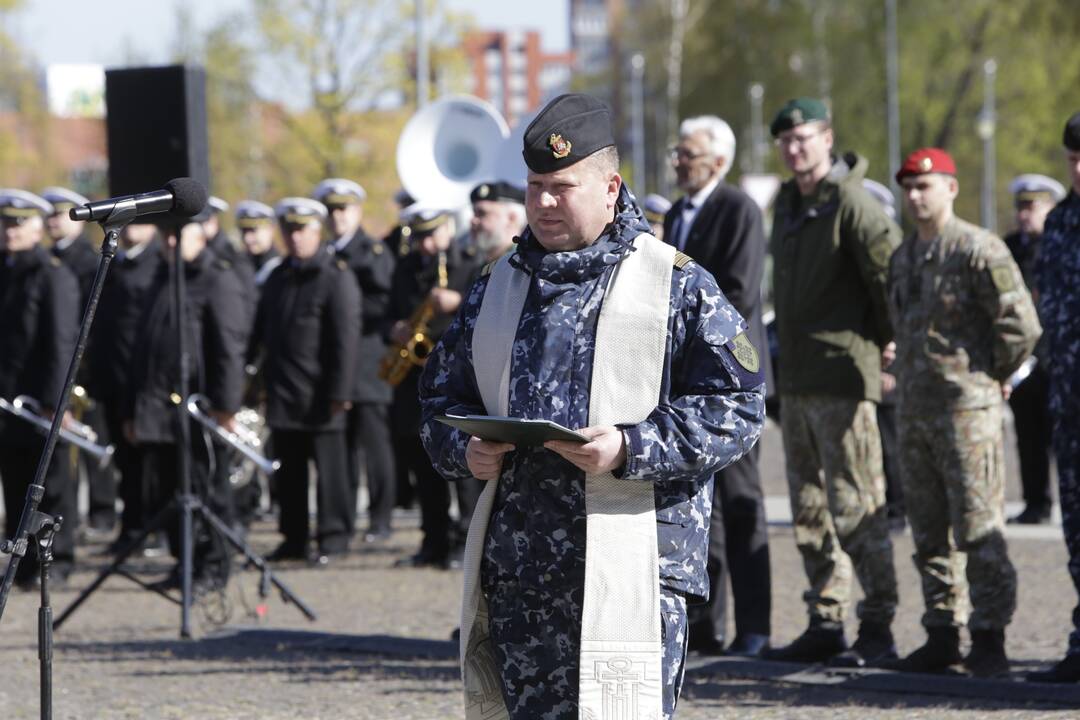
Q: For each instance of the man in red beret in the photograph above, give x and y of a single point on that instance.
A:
(964, 322)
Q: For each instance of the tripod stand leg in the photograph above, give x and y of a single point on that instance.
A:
(253, 557)
(155, 525)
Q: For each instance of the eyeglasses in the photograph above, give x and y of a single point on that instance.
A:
(683, 155)
(799, 140)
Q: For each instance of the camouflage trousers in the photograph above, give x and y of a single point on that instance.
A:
(536, 635)
(832, 449)
(1064, 411)
(953, 470)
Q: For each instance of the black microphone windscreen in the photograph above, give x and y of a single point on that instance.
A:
(189, 196)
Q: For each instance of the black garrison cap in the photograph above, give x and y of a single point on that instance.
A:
(571, 128)
(1072, 133)
(497, 191)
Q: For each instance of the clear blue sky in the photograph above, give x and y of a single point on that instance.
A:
(78, 31)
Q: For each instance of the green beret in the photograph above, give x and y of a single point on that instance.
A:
(798, 112)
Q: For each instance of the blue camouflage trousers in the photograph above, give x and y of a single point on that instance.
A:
(536, 636)
(1066, 442)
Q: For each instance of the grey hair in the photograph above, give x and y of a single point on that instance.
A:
(721, 138)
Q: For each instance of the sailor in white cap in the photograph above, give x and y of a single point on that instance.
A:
(308, 325)
(1034, 197)
(39, 324)
(368, 425)
(255, 220)
(436, 274)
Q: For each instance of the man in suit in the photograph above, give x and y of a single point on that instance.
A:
(721, 228)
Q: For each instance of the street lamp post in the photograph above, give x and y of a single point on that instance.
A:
(637, 119)
(985, 128)
(757, 128)
(892, 83)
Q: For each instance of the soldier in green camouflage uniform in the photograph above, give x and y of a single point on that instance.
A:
(831, 244)
(964, 323)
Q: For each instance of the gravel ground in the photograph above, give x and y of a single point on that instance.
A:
(380, 648)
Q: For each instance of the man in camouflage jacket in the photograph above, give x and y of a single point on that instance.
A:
(1059, 306)
(964, 323)
(582, 222)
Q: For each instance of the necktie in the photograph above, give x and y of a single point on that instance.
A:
(682, 227)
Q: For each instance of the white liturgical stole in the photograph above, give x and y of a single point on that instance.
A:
(621, 675)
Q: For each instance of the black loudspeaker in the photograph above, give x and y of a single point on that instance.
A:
(156, 126)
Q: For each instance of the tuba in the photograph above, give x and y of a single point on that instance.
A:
(446, 149)
(449, 147)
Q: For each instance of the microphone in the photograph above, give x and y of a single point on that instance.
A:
(183, 197)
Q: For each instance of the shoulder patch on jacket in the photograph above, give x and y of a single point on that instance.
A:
(881, 250)
(745, 353)
(681, 260)
(1003, 277)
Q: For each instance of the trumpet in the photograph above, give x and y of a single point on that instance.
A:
(244, 440)
(79, 434)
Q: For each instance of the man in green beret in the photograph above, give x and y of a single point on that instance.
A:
(831, 243)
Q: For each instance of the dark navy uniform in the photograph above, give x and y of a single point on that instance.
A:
(39, 325)
(307, 328)
(131, 282)
(1059, 308)
(216, 331)
(1033, 195)
(414, 278)
(370, 451)
(368, 431)
(82, 258)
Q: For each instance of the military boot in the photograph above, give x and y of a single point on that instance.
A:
(940, 652)
(820, 641)
(1064, 671)
(875, 645)
(987, 657)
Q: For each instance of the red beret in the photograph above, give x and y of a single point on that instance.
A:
(926, 160)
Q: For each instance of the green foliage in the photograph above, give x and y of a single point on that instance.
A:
(836, 49)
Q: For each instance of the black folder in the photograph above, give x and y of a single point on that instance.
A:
(517, 431)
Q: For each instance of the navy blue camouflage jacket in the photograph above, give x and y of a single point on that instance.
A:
(710, 412)
(1059, 301)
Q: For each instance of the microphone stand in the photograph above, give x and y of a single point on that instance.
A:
(37, 525)
(187, 501)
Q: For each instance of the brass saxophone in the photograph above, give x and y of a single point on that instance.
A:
(400, 358)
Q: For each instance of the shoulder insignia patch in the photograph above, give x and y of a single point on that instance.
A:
(1003, 277)
(681, 260)
(881, 250)
(745, 353)
(342, 265)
